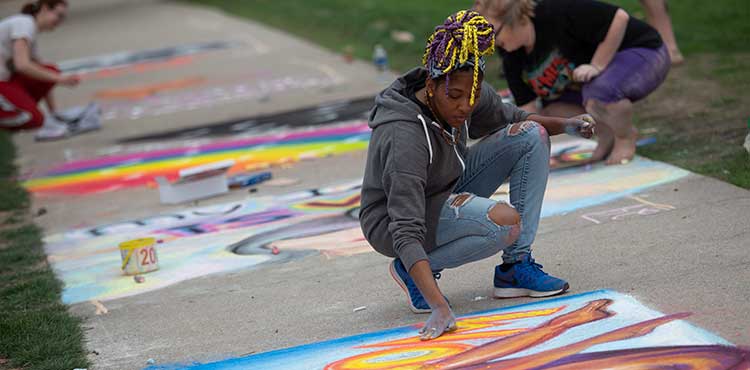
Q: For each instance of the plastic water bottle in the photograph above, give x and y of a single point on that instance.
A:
(380, 58)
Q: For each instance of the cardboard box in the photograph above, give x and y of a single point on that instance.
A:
(197, 182)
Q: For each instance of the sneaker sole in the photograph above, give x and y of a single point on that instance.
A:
(521, 292)
(400, 283)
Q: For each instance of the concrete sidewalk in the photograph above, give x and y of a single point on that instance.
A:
(689, 259)
(690, 256)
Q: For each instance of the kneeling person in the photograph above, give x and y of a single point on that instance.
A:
(425, 194)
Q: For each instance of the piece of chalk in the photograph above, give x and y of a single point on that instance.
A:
(249, 179)
(282, 182)
(100, 309)
(645, 141)
(361, 308)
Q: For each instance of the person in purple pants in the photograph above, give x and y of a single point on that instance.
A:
(567, 57)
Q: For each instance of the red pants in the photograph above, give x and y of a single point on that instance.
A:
(19, 98)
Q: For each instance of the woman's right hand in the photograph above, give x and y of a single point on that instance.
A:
(582, 125)
(441, 321)
(69, 80)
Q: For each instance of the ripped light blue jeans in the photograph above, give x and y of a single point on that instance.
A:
(465, 232)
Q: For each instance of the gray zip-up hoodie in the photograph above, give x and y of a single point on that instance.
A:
(412, 169)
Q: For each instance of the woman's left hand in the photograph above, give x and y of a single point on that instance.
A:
(585, 73)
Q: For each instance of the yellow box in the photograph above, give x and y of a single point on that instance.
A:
(139, 256)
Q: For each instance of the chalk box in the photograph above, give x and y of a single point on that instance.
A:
(139, 256)
(195, 183)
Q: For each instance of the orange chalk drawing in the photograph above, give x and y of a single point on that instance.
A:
(137, 68)
(411, 353)
(144, 91)
(594, 330)
(456, 350)
(348, 201)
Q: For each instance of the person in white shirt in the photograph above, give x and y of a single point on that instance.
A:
(24, 80)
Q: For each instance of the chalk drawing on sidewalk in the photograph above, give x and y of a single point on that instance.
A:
(140, 68)
(643, 208)
(164, 219)
(214, 95)
(201, 241)
(335, 234)
(116, 172)
(322, 114)
(122, 59)
(570, 153)
(202, 220)
(240, 235)
(595, 330)
(119, 171)
(140, 92)
(576, 188)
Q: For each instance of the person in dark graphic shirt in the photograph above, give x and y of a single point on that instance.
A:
(567, 57)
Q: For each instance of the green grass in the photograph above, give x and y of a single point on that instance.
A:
(710, 143)
(700, 26)
(705, 26)
(717, 28)
(37, 330)
(714, 158)
(337, 24)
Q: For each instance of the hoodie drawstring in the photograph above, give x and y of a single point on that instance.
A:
(459, 158)
(426, 135)
(429, 144)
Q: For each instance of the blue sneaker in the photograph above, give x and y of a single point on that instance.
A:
(526, 279)
(417, 303)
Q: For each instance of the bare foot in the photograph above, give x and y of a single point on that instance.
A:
(605, 140)
(623, 150)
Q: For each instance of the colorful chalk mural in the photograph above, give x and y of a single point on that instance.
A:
(327, 113)
(98, 63)
(196, 242)
(251, 88)
(143, 91)
(595, 330)
(138, 68)
(139, 169)
(121, 171)
(202, 241)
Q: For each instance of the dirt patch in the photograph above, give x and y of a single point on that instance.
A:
(699, 115)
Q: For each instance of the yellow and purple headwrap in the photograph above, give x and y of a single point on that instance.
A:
(460, 42)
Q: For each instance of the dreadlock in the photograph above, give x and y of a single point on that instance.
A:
(464, 37)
